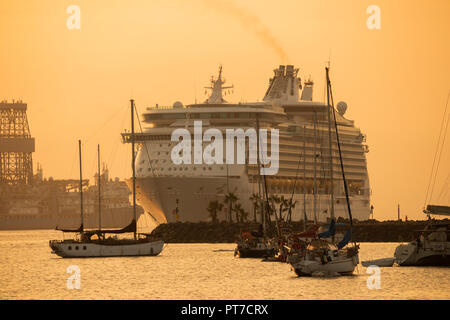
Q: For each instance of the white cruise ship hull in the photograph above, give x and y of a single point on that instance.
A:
(158, 196)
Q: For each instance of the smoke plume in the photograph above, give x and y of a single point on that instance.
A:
(250, 22)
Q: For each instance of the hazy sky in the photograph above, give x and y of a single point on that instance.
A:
(77, 83)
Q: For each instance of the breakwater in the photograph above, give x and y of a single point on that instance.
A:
(206, 232)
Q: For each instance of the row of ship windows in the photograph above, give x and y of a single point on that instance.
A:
(76, 248)
(293, 146)
(347, 163)
(179, 169)
(162, 160)
(356, 150)
(207, 115)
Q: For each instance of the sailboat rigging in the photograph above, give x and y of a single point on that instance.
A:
(99, 193)
(87, 246)
(321, 255)
(256, 244)
(81, 227)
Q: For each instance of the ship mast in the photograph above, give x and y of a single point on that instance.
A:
(331, 109)
(330, 146)
(216, 88)
(133, 167)
(315, 169)
(265, 206)
(341, 161)
(99, 193)
(304, 178)
(81, 187)
(263, 220)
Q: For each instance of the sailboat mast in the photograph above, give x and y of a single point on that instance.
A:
(229, 198)
(304, 177)
(315, 169)
(133, 165)
(81, 187)
(341, 161)
(330, 146)
(263, 205)
(99, 193)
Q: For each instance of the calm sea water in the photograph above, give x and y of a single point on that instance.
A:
(28, 270)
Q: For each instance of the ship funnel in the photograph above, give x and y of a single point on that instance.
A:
(307, 92)
(283, 87)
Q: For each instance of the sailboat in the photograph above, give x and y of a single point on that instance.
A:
(86, 245)
(431, 246)
(321, 255)
(256, 244)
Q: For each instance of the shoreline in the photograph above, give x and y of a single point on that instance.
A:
(223, 232)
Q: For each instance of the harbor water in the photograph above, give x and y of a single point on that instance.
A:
(28, 270)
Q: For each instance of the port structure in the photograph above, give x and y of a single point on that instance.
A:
(16, 144)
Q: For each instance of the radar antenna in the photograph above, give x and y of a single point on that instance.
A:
(216, 89)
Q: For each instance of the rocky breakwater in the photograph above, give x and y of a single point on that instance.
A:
(207, 232)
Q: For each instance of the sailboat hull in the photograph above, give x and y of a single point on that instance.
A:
(434, 254)
(78, 249)
(255, 253)
(344, 266)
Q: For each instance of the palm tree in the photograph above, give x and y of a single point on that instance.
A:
(214, 207)
(273, 201)
(284, 206)
(238, 210)
(255, 199)
(230, 199)
(291, 205)
(243, 215)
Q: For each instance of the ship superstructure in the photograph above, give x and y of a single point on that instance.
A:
(49, 202)
(169, 192)
(30, 201)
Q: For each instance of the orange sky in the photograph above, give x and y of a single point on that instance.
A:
(77, 83)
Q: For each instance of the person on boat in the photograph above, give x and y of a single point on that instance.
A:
(85, 237)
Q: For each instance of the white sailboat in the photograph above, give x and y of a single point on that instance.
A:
(256, 244)
(431, 246)
(86, 245)
(322, 255)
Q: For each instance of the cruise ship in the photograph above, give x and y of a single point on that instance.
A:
(172, 192)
